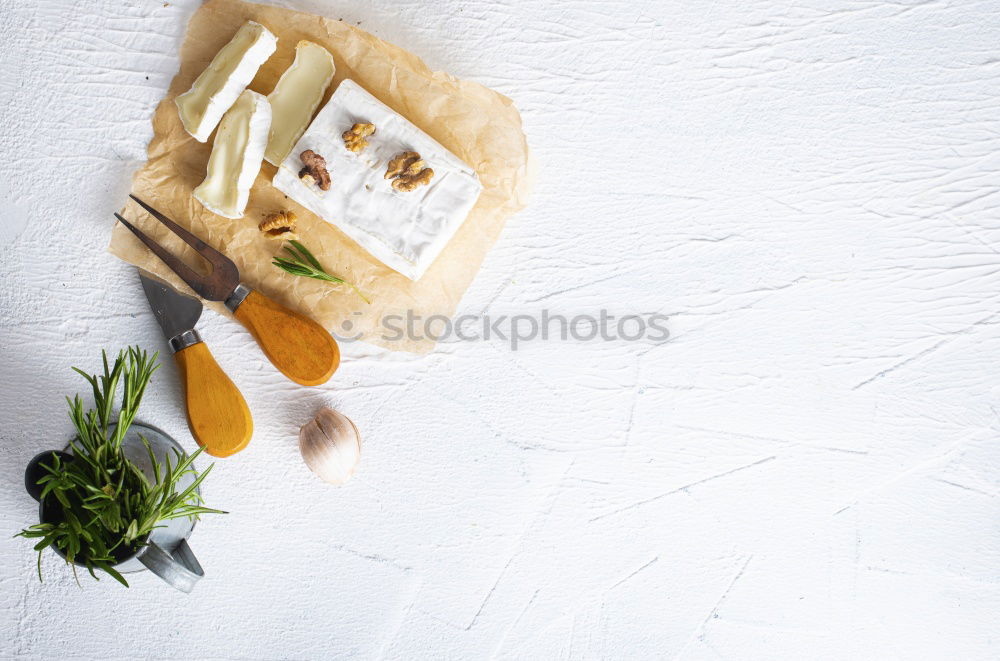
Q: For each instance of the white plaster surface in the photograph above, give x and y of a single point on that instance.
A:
(807, 469)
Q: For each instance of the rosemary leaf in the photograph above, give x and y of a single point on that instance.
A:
(304, 264)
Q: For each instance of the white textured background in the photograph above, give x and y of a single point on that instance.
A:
(807, 469)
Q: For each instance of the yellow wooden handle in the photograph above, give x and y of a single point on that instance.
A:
(299, 347)
(216, 411)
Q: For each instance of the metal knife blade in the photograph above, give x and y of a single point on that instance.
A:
(175, 312)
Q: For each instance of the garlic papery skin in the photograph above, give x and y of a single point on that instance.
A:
(331, 446)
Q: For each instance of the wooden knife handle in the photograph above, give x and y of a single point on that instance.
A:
(216, 412)
(299, 347)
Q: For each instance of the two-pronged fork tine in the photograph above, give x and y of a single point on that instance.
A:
(217, 285)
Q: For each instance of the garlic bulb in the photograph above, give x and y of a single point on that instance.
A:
(331, 446)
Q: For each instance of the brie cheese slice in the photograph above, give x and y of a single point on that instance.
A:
(404, 230)
(296, 97)
(218, 86)
(236, 156)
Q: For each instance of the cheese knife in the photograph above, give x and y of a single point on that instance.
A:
(217, 414)
(299, 347)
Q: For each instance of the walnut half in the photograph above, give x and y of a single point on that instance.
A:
(315, 167)
(407, 172)
(279, 225)
(354, 139)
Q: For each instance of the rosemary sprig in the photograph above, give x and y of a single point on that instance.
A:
(105, 505)
(305, 264)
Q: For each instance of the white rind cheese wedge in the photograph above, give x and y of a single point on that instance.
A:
(404, 230)
(296, 97)
(236, 156)
(218, 86)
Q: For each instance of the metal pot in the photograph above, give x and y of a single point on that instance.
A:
(166, 552)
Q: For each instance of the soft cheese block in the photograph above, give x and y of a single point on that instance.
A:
(296, 97)
(237, 153)
(404, 230)
(218, 86)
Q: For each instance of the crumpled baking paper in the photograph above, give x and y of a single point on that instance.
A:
(479, 125)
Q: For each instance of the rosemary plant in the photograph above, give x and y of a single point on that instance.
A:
(102, 506)
(304, 263)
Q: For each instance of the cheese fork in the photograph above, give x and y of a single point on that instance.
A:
(299, 347)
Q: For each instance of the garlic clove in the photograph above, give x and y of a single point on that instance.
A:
(331, 446)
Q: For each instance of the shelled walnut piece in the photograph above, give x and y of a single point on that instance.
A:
(279, 225)
(354, 138)
(407, 172)
(314, 170)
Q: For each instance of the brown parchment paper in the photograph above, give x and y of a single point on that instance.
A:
(481, 126)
